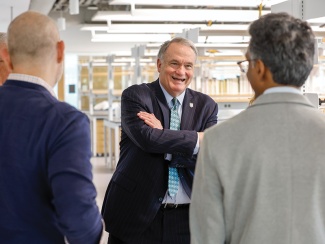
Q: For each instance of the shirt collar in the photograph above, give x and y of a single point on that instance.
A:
(169, 98)
(32, 79)
(282, 89)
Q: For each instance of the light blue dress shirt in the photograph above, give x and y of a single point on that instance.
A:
(181, 196)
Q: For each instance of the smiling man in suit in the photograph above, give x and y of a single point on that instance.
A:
(148, 197)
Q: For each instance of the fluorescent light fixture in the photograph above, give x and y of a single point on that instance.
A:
(219, 29)
(131, 38)
(160, 38)
(317, 20)
(124, 54)
(273, 2)
(234, 52)
(221, 3)
(190, 15)
(224, 39)
(141, 28)
(222, 45)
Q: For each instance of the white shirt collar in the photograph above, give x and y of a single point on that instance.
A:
(282, 89)
(169, 98)
(32, 79)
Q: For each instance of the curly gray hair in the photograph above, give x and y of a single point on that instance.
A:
(286, 45)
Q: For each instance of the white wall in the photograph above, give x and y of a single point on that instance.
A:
(71, 76)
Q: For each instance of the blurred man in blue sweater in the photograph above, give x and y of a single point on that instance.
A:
(46, 189)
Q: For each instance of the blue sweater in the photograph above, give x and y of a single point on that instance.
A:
(46, 189)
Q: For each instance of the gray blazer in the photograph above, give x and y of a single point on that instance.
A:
(260, 177)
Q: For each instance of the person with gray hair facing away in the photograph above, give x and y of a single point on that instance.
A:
(46, 189)
(4, 69)
(266, 183)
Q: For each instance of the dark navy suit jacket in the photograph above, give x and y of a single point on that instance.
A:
(46, 189)
(137, 188)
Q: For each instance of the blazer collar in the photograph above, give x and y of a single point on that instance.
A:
(188, 110)
(282, 97)
(155, 87)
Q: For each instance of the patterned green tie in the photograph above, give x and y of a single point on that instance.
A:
(175, 124)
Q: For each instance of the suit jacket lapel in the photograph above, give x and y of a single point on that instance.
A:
(161, 102)
(188, 109)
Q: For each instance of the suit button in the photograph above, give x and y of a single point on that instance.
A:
(160, 199)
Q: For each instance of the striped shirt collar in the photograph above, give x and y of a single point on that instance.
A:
(32, 79)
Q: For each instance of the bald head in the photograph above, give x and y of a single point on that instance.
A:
(31, 36)
(4, 69)
(34, 46)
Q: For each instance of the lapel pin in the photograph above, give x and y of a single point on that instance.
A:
(191, 105)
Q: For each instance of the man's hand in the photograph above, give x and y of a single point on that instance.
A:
(150, 120)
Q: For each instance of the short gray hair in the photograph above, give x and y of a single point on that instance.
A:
(3, 38)
(286, 45)
(179, 40)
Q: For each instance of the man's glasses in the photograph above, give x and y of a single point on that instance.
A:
(243, 65)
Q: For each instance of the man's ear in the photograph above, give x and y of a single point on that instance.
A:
(260, 68)
(60, 51)
(158, 65)
(264, 75)
(6, 57)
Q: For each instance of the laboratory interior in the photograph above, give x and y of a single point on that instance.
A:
(113, 44)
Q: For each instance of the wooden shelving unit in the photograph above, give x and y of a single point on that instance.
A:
(222, 81)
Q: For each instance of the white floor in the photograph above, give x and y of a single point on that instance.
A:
(102, 175)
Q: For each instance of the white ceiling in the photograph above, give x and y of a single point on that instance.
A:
(222, 24)
(9, 9)
(118, 25)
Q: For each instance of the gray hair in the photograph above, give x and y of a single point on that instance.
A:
(3, 38)
(179, 40)
(286, 45)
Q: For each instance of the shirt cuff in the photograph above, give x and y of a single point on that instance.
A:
(168, 156)
(103, 238)
(197, 147)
